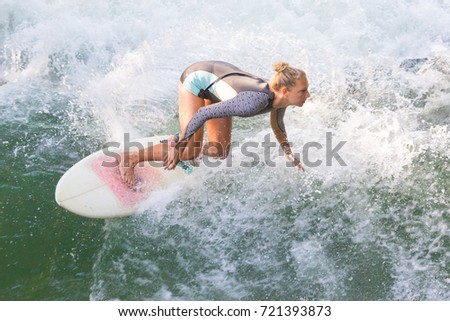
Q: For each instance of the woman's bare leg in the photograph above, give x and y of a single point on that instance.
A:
(129, 160)
(219, 137)
(219, 130)
(189, 104)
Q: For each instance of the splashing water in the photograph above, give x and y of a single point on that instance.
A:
(76, 75)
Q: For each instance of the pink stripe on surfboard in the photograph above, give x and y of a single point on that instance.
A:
(147, 177)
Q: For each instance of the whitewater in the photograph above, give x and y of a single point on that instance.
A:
(75, 75)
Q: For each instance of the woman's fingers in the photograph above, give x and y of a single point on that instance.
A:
(172, 159)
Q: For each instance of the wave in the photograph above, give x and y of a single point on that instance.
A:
(74, 75)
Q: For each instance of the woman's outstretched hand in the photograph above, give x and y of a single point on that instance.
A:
(295, 161)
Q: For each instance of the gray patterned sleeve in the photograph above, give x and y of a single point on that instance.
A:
(244, 104)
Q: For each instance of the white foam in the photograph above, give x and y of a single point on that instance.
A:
(119, 63)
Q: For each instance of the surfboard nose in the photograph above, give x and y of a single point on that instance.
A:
(93, 188)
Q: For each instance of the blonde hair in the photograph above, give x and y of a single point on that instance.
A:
(285, 76)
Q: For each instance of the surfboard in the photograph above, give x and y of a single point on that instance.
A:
(93, 186)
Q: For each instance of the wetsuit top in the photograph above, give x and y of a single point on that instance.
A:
(234, 93)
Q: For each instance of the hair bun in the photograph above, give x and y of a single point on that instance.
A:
(280, 66)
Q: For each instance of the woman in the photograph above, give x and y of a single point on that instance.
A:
(211, 92)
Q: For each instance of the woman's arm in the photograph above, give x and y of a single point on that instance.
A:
(277, 124)
(244, 104)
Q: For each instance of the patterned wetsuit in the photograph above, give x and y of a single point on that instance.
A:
(234, 93)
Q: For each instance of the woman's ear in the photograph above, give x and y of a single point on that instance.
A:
(284, 90)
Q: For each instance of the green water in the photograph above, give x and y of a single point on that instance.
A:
(77, 75)
(340, 241)
(47, 254)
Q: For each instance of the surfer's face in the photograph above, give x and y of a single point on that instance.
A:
(298, 94)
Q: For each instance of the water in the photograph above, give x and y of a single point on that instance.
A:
(77, 74)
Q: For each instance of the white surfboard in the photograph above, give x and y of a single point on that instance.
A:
(93, 186)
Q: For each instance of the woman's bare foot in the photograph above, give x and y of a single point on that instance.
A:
(127, 163)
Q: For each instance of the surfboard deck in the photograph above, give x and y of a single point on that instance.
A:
(93, 186)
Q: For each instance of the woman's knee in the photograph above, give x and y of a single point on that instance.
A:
(192, 151)
(216, 150)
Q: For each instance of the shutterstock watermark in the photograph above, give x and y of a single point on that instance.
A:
(252, 153)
